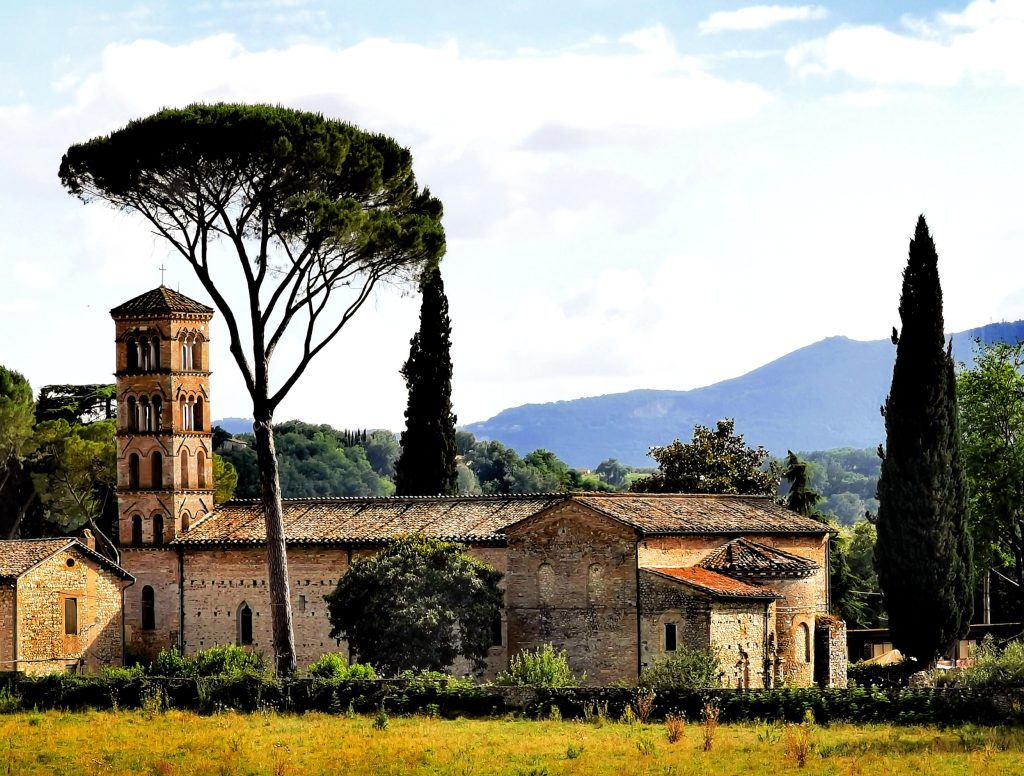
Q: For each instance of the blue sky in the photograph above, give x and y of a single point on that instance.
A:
(637, 194)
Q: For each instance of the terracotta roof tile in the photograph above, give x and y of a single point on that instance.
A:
(744, 558)
(160, 301)
(19, 555)
(713, 583)
(362, 520)
(681, 513)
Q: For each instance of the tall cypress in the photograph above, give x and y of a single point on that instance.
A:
(426, 466)
(923, 554)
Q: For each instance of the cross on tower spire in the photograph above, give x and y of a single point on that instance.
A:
(162, 269)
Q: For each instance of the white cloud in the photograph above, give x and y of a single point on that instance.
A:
(760, 17)
(34, 275)
(982, 42)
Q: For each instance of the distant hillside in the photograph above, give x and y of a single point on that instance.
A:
(822, 396)
(235, 425)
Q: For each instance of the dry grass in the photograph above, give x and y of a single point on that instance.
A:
(183, 744)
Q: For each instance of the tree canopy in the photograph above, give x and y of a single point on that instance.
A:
(417, 605)
(17, 419)
(426, 466)
(314, 211)
(718, 461)
(923, 552)
(990, 396)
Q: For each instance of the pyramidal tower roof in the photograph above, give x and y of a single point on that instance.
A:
(160, 301)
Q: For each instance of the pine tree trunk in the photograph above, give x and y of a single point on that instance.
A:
(277, 557)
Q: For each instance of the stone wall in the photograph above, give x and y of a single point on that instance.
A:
(571, 583)
(156, 568)
(738, 638)
(663, 601)
(830, 651)
(7, 627)
(43, 646)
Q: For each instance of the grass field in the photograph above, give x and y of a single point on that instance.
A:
(172, 743)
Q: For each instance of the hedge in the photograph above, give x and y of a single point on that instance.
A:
(451, 698)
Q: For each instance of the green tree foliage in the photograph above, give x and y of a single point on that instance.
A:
(860, 557)
(614, 473)
(541, 667)
(225, 480)
(426, 466)
(316, 212)
(991, 401)
(685, 669)
(416, 605)
(716, 461)
(17, 419)
(800, 498)
(314, 461)
(499, 470)
(382, 451)
(74, 474)
(923, 552)
(847, 480)
(77, 404)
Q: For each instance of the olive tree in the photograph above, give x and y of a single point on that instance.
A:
(311, 212)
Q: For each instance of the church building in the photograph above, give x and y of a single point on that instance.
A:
(618, 580)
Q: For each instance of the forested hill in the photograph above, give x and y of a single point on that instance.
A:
(822, 396)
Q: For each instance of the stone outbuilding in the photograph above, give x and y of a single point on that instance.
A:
(60, 607)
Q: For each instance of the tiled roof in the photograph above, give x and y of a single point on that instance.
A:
(20, 555)
(744, 558)
(160, 301)
(713, 583)
(363, 520)
(681, 513)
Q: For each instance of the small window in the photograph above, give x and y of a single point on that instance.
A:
(148, 609)
(157, 475)
(71, 616)
(201, 468)
(670, 637)
(136, 530)
(158, 530)
(805, 638)
(133, 472)
(245, 624)
(184, 469)
(132, 415)
(158, 407)
(197, 415)
(132, 348)
(496, 639)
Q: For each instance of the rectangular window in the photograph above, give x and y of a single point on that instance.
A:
(496, 631)
(302, 603)
(670, 637)
(71, 616)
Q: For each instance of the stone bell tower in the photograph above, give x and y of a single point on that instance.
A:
(165, 444)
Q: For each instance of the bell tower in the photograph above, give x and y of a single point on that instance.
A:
(164, 439)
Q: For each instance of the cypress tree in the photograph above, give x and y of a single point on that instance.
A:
(923, 554)
(426, 466)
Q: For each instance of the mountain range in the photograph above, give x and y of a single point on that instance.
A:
(822, 396)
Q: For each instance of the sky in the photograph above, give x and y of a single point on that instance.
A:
(638, 194)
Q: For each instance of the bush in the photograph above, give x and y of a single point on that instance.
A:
(543, 667)
(335, 666)
(225, 660)
(687, 669)
(994, 667)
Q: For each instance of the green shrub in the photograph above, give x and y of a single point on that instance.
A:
(127, 672)
(334, 666)
(230, 660)
(994, 667)
(686, 669)
(543, 667)
(171, 663)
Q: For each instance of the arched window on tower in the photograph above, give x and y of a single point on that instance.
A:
(131, 351)
(200, 469)
(132, 419)
(145, 354)
(197, 353)
(158, 408)
(158, 530)
(183, 456)
(136, 530)
(145, 414)
(197, 414)
(805, 641)
(183, 413)
(148, 609)
(186, 352)
(186, 521)
(133, 472)
(156, 478)
(244, 624)
(154, 353)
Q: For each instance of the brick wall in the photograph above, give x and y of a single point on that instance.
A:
(43, 645)
(156, 568)
(7, 627)
(663, 601)
(571, 582)
(830, 650)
